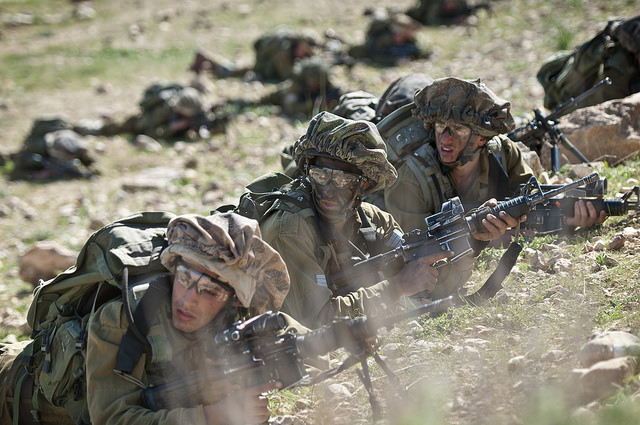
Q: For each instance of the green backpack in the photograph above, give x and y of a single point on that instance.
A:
(62, 306)
(568, 73)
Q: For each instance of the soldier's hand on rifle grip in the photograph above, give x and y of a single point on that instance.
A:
(419, 275)
(246, 406)
(496, 226)
(584, 215)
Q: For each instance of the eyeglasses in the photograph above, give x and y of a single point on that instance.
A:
(188, 277)
(342, 180)
(459, 131)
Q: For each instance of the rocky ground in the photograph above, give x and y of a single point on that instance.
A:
(508, 362)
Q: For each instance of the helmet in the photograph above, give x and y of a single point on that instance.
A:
(627, 32)
(187, 102)
(401, 92)
(468, 102)
(356, 105)
(355, 142)
(231, 246)
(312, 69)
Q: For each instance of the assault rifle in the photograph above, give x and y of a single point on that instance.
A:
(542, 128)
(547, 216)
(448, 230)
(256, 352)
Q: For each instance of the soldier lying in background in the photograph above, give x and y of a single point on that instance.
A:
(52, 150)
(168, 111)
(614, 52)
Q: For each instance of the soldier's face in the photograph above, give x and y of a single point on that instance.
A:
(336, 184)
(197, 298)
(452, 138)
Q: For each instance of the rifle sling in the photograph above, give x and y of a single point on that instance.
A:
(494, 283)
(134, 342)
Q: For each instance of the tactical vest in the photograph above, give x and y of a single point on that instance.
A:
(408, 142)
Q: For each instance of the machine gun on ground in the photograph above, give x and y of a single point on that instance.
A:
(256, 352)
(448, 230)
(547, 216)
(545, 128)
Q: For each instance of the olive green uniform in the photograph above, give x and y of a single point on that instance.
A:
(298, 240)
(414, 195)
(113, 399)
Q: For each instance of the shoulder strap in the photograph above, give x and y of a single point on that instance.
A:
(134, 342)
(429, 175)
(499, 181)
(369, 234)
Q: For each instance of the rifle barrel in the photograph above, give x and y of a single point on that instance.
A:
(580, 182)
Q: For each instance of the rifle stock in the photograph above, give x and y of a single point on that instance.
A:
(255, 352)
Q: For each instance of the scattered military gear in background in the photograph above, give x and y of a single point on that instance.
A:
(613, 52)
(390, 39)
(169, 110)
(53, 150)
(446, 12)
(308, 92)
(357, 105)
(276, 54)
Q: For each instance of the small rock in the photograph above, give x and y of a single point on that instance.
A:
(616, 242)
(599, 245)
(516, 363)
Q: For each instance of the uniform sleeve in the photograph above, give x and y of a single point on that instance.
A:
(309, 300)
(112, 399)
(517, 170)
(406, 201)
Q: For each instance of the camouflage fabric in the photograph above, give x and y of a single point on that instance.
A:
(444, 12)
(230, 245)
(390, 39)
(401, 92)
(355, 142)
(309, 91)
(11, 370)
(276, 53)
(627, 32)
(469, 102)
(357, 105)
(187, 102)
(612, 52)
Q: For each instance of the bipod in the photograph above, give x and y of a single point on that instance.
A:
(556, 138)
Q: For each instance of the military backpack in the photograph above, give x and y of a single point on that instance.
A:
(120, 260)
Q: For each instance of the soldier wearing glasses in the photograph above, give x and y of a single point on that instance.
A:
(465, 155)
(325, 227)
(222, 270)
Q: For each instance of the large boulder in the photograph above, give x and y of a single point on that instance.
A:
(609, 131)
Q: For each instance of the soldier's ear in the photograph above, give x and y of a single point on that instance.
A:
(364, 186)
(481, 140)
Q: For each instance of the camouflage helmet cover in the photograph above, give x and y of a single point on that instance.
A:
(311, 69)
(231, 246)
(468, 102)
(187, 102)
(356, 105)
(627, 32)
(355, 142)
